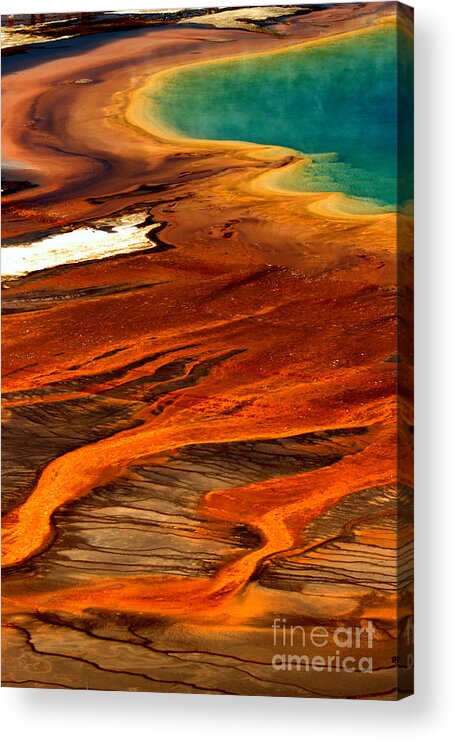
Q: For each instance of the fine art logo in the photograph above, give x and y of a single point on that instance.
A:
(289, 640)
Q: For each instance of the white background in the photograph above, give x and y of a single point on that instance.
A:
(36, 714)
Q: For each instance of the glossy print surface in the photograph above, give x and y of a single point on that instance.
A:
(206, 320)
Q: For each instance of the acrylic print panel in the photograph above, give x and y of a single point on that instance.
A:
(207, 351)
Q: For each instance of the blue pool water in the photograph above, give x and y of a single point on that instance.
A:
(337, 101)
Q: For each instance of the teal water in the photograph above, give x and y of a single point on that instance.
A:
(337, 101)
